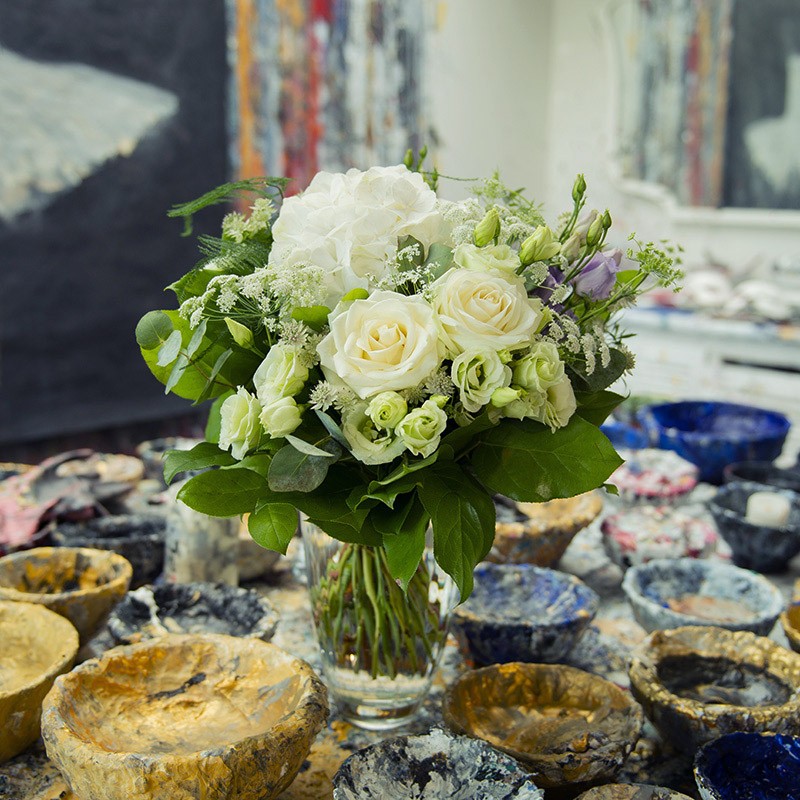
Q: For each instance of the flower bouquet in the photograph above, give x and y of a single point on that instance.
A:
(386, 361)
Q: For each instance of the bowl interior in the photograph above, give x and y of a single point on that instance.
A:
(181, 695)
(793, 616)
(58, 570)
(36, 643)
(720, 420)
(731, 501)
(538, 709)
(763, 472)
(511, 593)
(115, 528)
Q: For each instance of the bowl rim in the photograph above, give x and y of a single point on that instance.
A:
(752, 462)
(751, 487)
(121, 581)
(589, 794)
(572, 582)
(68, 635)
(154, 537)
(643, 673)
(791, 631)
(315, 694)
(632, 588)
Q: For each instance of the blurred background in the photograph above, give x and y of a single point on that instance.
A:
(684, 116)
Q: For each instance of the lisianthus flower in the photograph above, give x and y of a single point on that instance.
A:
(597, 278)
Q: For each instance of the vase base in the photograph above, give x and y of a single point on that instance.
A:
(373, 718)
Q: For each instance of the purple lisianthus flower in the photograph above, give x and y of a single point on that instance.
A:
(597, 278)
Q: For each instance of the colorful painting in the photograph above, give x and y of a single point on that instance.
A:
(326, 84)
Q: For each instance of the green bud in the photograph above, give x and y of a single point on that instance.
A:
(541, 245)
(595, 232)
(242, 335)
(441, 400)
(488, 229)
(408, 160)
(579, 188)
(505, 395)
(606, 220)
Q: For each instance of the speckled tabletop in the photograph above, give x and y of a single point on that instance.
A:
(604, 650)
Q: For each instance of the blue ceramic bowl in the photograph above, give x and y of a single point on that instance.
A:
(749, 766)
(670, 593)
(519, 612)
(624, 435)
(759, 547)
(712, 435)
(435, 766)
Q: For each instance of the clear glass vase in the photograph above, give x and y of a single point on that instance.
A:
(380, 646)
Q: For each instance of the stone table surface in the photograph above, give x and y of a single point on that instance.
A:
(604, 649)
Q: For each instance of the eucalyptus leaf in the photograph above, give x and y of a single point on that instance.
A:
(168, 351)
(181, 363)
(293, 471)
(331, 426)
(273, 526)
(197, 338)
(153, 329)
(224, 492)
(307, 448)
(201, 456)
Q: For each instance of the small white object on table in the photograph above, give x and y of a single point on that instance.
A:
(768, 508)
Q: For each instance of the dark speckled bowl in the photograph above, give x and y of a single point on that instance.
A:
(519, 612)
(764, 472)
(712, 434)
(749, 766)
(631, 791)
(758, 547)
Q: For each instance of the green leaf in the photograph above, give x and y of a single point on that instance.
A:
(330, 425)
(355, 294)
(416, 260)
(293, 471)
(595, 407)
(153, 330)
(404, 478)
(442, 256)
(461, 438)
(242, 335)
(168, 351)
(197, 338)
(273, 526)
(524, 460)
(224, 492)
(307, 448)
(181, 363)
(403, 538)
(214, 418)
(315, 317)
(258, 462)
(463, 518)
(602, 377)
(201, 456)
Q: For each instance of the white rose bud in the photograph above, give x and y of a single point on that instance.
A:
(484, 311)
(239, 429)
(559, 405)
(422, 428)
(367, 443)
(280, 417)
(499, 259)
(477, 375)
(541, 245)
(387, 409)
(541, 368)
(488, 228)
(280, 374)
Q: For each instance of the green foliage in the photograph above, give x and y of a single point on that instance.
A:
(315, 317)
(224, 492)
(201, 456)
(294, 470)
(595, 407)
(494, 191)
(403, 538)
(602, 377)
(273, 525)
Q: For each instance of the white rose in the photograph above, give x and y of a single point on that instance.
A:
(281, 374)
(559, 405)
(367, 443)
(239, 429)
(280, 417)
(499, 259)
(541, 368)
(480, 310)
(477, 374)
(387, 342)
(387, 409)
(422, 428)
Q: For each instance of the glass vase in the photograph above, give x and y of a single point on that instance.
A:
(380, 646)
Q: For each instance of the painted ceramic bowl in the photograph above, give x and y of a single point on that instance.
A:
(672, 593)
(749, 766)
(644, 533)
(631, 791)
(565, 725)
(764, 472)
(153, 611)
(82, 585)
(790, 620)
(712, 435)
(518, 612)
(759, 547)
(540, 533)
(654, 476)
(137, 537)
(435, 766)
(699, 683)
(154, 451)
(37, 646)
(184, 716)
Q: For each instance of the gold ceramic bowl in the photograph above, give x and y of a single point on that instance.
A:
(631, 791)
(81, 584)
(546, 533)
(565, 725)
(699, 683)
(790, 619)
(184, 717)
(36, 646)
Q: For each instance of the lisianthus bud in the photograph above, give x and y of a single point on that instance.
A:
(598, 276)
(541, 245)
(422, 428)
(572, 247)
(606, 219)
(408, 159)
(505, 395)
(280, 417)
(488, 229)
(578, 188)
(595, 232)
(387, 409)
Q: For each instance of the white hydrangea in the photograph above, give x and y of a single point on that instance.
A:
(349, 225)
